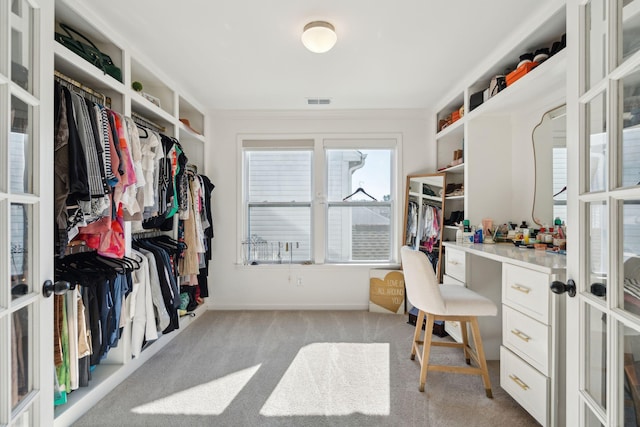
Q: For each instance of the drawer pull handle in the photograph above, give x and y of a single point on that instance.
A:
(520, 288)
(519, 382)
(454, 262)
(524, 337)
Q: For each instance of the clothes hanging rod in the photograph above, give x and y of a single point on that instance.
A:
(85, 90)
(144, 122)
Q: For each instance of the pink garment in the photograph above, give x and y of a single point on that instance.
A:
(130, 174)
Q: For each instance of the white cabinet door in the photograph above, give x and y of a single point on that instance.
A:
(26, 200)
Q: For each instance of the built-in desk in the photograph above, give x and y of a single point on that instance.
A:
(526, 335)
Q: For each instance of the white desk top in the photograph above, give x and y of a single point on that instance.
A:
(507, 252)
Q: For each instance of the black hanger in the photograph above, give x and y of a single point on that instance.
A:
(359, 190)
(561, 191)
(146, 134)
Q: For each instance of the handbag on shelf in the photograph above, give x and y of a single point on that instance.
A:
(88, 51)
(497, 84)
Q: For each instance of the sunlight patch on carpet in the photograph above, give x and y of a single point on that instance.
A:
(334, 379)
(211, 398)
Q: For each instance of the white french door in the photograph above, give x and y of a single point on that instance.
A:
(26, 200)
(603, 320)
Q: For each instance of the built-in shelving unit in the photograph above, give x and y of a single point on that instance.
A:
(487, 136)
(159, 102)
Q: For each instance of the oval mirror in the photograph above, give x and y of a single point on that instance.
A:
(550, 157)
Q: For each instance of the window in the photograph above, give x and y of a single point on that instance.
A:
(350, 219)
(359, 228)
(278, 199)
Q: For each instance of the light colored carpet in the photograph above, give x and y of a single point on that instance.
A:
(301, 368)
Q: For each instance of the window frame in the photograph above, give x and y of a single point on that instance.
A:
(354, 204)
(319, 143)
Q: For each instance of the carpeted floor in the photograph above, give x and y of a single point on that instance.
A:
(301, 368)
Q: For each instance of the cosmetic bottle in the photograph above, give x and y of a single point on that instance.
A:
(459, 235)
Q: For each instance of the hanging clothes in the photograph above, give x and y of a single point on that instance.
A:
(430, 233)
(412, 223)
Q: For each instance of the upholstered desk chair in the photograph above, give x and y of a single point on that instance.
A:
(448, 303)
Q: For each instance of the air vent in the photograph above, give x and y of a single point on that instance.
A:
(318, 101)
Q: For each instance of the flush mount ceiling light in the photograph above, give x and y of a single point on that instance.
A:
(319, 36)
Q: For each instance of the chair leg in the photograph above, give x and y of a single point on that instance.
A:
(465, 341)
(477, 339)
(416, 334)
(426, 349)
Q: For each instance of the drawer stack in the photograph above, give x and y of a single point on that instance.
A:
(525, 355)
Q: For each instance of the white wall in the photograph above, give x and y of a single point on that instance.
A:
(234, 286)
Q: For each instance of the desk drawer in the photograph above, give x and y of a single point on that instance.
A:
(455, 264)
(526, 291)
(526, 385)
(527, 338)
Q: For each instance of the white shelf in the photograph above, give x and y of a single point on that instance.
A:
(455, 197)
(187, 133)
(455, 126)
(72, 65)
(545, 78)
(457, 169)
(147, 109)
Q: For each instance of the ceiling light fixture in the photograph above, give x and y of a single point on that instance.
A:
(319, 36)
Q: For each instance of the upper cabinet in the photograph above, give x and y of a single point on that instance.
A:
(130, 83)
(480, 122)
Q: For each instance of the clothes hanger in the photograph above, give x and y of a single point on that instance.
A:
(359, 190)
(142, 128)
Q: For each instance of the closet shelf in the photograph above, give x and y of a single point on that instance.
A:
(186, 133)
(545, 78)
(74, 66)
(425, 196)
(455, 197)
(149, 110)
(453, 169)
(457, 125)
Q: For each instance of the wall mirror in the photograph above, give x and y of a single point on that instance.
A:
(550, 157)
(423, 216)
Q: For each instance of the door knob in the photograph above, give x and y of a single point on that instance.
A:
(60, 287)
(599, 289)
(560, 288)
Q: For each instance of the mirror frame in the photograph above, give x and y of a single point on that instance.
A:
(408, 195)
(552, 113)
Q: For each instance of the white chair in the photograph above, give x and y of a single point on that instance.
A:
(448, 303)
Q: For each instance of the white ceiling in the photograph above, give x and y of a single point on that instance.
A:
(247, 54)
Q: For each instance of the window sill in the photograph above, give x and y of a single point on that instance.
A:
(287, 266)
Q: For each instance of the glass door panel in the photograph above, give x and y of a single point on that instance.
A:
(630, 28)
(630, 249)
(596, 355)
(596, 42)
(590, 419)
(21, 282)
(21, 351)
(598, 251)
(22, 44)
(629, 374)
(597, 140)
(20, 149)
(629, 151)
